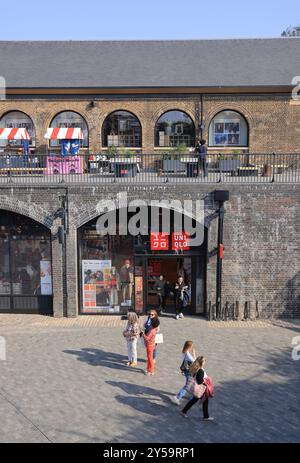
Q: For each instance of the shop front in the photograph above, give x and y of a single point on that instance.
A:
(118, 272)
(25, 265)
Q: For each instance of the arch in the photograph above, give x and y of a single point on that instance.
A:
(228, 127)
(68, 122)
(104, 259)
(121, 128)
(31, 211)
(178, 128)
(19, 119)
(25, 264)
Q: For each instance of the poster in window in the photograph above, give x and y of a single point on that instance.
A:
(45, 278)
(96, 276)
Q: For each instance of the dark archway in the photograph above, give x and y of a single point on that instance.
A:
(118, 272)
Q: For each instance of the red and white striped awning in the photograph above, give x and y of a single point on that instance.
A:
(14, 134)
(58, 133)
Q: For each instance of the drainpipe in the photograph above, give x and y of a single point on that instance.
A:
(220, 196)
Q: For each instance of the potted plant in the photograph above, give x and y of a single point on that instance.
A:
(171, 159)
(230, 162)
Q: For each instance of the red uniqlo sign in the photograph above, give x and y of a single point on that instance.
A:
(180, 241)
(159, 241)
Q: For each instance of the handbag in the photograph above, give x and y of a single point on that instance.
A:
(159, 339)
(197, 390)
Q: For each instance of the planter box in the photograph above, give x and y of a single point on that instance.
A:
(229, 165)
(173, 165)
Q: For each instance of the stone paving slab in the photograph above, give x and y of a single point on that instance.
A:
(70, 384)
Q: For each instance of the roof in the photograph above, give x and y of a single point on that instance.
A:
(130, 64)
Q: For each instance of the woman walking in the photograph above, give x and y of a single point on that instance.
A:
(199, 374)
(131, 334)
(149, 339)
(188, 357)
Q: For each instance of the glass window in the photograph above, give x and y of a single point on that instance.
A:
(122, 129)
(107, 271)
(174, 128)
(4, 262)
(228, 128)
(69, 119)
(25, 256)
(17, 120)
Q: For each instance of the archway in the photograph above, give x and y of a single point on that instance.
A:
(228, 129)
(118, 271)
(174, 128)
(17, 120)
(70, 119)
(122, 129)
(25, 265)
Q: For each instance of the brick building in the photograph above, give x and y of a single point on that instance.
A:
(147, 98)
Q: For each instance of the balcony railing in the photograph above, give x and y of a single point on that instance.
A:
(42, 169)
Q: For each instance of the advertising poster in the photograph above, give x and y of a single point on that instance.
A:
(46, 277)
(138, 294)
(95, 284)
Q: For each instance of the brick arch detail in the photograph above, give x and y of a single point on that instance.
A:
(33, 211)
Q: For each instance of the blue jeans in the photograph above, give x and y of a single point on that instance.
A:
(183, 390)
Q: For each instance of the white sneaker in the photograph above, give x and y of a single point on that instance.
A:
(177, 317)
(176, 400)
(181, 315)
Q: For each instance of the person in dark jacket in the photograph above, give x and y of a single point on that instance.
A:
(179, 288)
(197, 370)
(201, 149)
(161, 293)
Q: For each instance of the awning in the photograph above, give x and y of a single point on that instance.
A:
(14, 134)
(58, 133)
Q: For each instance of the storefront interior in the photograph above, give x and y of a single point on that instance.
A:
(25, 265)
(118, 273)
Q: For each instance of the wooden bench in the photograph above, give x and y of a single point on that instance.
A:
(247, 171)
(22, 170)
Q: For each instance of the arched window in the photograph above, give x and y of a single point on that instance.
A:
(69, 119)
(174, 128)
(228, 128)
(123, 129)
(17, 120)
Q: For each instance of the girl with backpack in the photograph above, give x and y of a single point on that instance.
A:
(188, 357)
(199, 375)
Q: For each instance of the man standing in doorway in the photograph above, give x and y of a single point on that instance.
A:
(202, 152)
(180, 289)
(161, 294)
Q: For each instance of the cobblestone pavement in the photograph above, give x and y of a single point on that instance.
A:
(64, 380)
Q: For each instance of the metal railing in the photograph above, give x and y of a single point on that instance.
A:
(152, 168)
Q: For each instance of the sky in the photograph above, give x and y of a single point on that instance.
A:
(145, 20)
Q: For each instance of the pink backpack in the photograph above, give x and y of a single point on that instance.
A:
(210, 388)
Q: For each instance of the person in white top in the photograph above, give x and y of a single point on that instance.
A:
(188, 357)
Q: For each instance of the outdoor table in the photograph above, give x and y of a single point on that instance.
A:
(125, 167)
(247, 171)
(192, 166)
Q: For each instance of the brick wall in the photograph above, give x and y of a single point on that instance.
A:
(274, 120)
(261, 237)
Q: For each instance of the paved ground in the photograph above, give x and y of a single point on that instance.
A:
(65, 381)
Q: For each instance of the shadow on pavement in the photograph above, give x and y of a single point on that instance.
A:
(98, 357)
